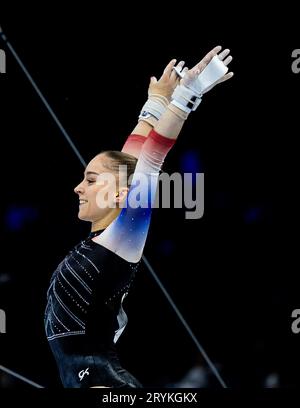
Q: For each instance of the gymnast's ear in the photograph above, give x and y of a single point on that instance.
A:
(121, 195)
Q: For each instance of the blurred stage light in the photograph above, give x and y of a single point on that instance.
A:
(17, 217)
(252, 215)
(190, 163)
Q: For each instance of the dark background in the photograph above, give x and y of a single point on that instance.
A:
(233, 273)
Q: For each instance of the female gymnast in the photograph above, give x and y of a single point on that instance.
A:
(84, 316)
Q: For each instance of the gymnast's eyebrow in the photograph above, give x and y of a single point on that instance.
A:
(91, 172)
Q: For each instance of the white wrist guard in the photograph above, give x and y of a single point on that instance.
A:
(153, 108)
(185, 98)
(188, 97)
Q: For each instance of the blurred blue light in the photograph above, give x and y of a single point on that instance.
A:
(252, 215)
(17, 216)
(190, 162)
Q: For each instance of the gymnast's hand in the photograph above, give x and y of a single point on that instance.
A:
(168, 81)
(192, 74)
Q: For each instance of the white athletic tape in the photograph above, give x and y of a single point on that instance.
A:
(188, 97)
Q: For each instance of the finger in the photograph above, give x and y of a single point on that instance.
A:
(174, 74)
(226, 77)
(183, 73)
(169, 68)
(227, 60)
(215, 50)
(180, 65)
(209, 56)
(223, 79)
(153, 80)
(206, 60)
(223, 54)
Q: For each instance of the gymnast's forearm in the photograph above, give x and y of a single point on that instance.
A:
(159, 97)
(171, 122)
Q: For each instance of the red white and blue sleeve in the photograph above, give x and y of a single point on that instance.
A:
(127, 234)
(134, 144)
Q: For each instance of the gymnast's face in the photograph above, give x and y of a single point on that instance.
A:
(97, 191)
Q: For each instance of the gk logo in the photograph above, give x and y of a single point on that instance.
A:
(2, 62)
(82, 373)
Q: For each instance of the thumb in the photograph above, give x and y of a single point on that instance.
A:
(153, 80)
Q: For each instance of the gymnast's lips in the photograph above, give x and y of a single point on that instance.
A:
(82, 201)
